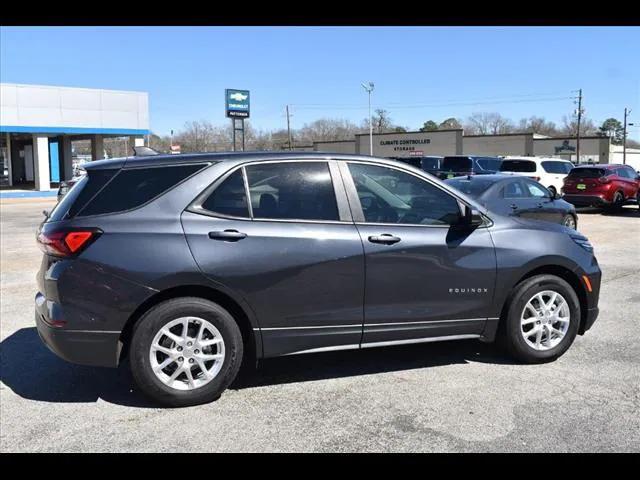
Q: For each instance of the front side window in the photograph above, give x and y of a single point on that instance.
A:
(292, 191)
(536, 190)
(391, 196)
(229, 198)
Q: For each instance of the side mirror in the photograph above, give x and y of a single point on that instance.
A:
(472, 217)
(45, 213)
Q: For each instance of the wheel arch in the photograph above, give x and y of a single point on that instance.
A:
(251, 338)
(559, 271)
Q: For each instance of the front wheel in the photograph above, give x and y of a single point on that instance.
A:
(569, 221)
(185, 351)
(542, 319)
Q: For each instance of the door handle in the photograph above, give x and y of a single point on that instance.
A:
(514, 206)
(540, 205)
(385, 239)
(228, 235)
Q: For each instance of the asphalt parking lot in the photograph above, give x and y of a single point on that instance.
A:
(454, 396)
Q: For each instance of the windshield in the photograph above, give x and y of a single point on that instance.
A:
(474, 187)
(518, 166)
(456, 164)
(588, 172)
(552, 166)
(489, 163)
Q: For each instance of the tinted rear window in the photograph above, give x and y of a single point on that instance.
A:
(518, 166)
(80, 193)
(588, 172)
(135, 187)
(430, 163)
(473, 187)
(556, 167)
(229, 198)
(456, 164)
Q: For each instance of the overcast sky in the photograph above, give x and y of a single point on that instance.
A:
(420, 73)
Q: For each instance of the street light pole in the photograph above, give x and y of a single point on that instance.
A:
(369, 88)
(624, 137)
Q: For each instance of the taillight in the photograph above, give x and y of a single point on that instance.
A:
(67, 243)
(604, 180)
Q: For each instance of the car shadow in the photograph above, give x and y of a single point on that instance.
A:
(31, 371)
(626, 211)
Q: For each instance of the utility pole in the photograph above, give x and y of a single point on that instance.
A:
(369, 88)
(624, 136)
(289, 129)
(579, 119)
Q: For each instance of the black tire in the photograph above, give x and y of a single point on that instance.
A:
(158, 316)
(570, 221)
(513, 339)
(617, 203)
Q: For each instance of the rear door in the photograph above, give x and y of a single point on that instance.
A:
(544, 206)
(517, 199)
(425, 278)
(292, 252)
(627, 178)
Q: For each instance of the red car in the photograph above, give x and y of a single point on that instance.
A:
(603, 185)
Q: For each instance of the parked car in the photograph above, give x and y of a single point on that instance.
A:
(66, 185)
(517, 196)
(189, 271)
(603, 185)
(457, 165)
(430, 164)
(550, 172)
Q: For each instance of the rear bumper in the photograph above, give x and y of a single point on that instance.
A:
(84, 347)
(585, 200)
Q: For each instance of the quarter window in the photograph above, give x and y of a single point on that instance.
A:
(292, 191)
(391, 196)
(514, 189)
(229, 198)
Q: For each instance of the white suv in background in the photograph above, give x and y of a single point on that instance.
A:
(550, 172)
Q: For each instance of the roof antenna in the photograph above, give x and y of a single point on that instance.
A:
(144, 152)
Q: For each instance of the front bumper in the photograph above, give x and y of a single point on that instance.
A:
(585, 200)
(592, 315)
(84, 347)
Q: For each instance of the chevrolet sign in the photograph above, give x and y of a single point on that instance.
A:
(236, 103)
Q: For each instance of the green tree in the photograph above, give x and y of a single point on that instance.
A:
(429, 126)
(613, 128)
(450, 123)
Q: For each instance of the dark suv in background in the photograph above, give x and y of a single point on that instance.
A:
(189, 263)
(458, 165)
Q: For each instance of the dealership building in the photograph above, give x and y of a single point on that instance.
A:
(38, 125)
(593, 149)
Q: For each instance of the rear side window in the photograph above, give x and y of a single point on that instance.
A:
(135, 187)
(556, 167)
(229, 198)
(474, 187)
(81, 193)
(292, 190)
(518, 166)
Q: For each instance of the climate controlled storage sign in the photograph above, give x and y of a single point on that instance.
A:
(236, 103)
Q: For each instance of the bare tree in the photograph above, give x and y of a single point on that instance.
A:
(570, 126)
(537, 125)
(488, 123)
(326, 129)
(381, 121)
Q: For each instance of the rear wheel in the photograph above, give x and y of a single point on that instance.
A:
(185, 351)
(618, 201)
(542, 319)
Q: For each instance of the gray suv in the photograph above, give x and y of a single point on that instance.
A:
(188, 264)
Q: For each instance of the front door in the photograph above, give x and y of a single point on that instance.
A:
(425, 276)
(292, 252)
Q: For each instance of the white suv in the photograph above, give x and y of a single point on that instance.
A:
(550, 172)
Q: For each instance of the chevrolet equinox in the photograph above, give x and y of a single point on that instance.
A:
(185, 264)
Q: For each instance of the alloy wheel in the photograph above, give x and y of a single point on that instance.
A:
(545, 319)
(187, 353)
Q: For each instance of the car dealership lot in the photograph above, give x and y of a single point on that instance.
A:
(454, 396)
